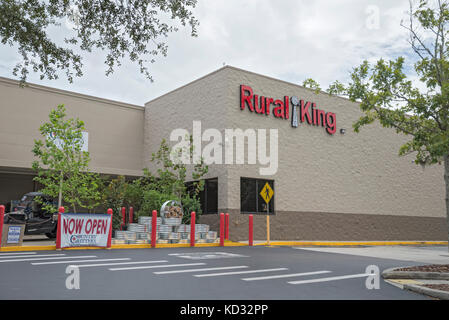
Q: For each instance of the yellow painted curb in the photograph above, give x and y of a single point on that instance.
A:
(27, 248)
(405, 281)
(122, 246)
(229, 243)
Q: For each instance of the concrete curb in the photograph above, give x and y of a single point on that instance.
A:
(392, 274)
(229, 243)
(443, 295)
(122, 246)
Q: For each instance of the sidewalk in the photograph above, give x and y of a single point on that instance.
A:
(344, 243)
(433, 283)
(37, 240)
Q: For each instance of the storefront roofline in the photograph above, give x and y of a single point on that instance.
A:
(247, 72)
(71, 94)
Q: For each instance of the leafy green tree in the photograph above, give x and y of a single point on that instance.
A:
(114, 198)
(62, 165)
(149, 192)
(170, 180)
(387, 95)
(135, 28)
(153, 200)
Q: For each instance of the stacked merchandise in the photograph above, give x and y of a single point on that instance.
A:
(169, 229)
(142, 235)
(167, 232)
(202, 234)
(124, 237)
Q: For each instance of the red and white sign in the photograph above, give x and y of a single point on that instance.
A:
(301, 111)
(84, 230)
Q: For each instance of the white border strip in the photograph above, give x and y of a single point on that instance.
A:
(161, 266)
(34, 259)
(32, 256)
(118, 263)
(15, 253)
(238, 272)
(360, 275)
(75, 261)
(194, 270)
(286, 275)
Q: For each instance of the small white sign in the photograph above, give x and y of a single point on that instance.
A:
(13, 234)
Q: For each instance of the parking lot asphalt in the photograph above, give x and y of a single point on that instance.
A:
(215, 273)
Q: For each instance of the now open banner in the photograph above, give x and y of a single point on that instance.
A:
(84, 230)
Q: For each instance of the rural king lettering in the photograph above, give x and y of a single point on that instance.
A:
(302, 111)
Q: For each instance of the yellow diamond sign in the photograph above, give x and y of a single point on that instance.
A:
(266, 193)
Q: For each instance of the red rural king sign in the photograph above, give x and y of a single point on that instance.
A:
(82, 229)
(301, 111)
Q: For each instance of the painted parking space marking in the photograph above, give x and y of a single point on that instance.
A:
(286, 275)
(52, 258)
(77, 261)
(16, 253)
(119, 263)
(350, 276)
(32, 256)
(207, 255)
(196, 270)
(159, 266)
(238, 272)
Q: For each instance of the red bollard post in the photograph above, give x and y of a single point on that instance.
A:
(153, 229)
(192, 229)
(222, 229)
(131, 215)
(227, 226)
(58, 231)
(110, 231)
(250, 240)
(123, 218)
(2, 217)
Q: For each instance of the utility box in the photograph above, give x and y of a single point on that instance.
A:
(12, 235)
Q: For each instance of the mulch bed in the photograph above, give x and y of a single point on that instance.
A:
(443, 287)
(428, 268)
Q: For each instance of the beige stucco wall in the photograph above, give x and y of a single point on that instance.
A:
(351, 173)
(202, 100)
(115, 129)
(343, 173)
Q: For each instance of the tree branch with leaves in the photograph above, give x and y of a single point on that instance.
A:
(62, 165)
(386, 94)
(136, 29)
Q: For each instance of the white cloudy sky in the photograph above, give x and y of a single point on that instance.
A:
(287, 39)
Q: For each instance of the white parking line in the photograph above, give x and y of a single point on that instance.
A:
(15, 253)
(118, 263)
(195, 270)
(56, 258)
(360, 275)
(75, 261)
(238, 272)
(286, 275)
(161, 266)
(32, 256)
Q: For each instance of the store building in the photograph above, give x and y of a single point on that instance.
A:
(329, 183)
